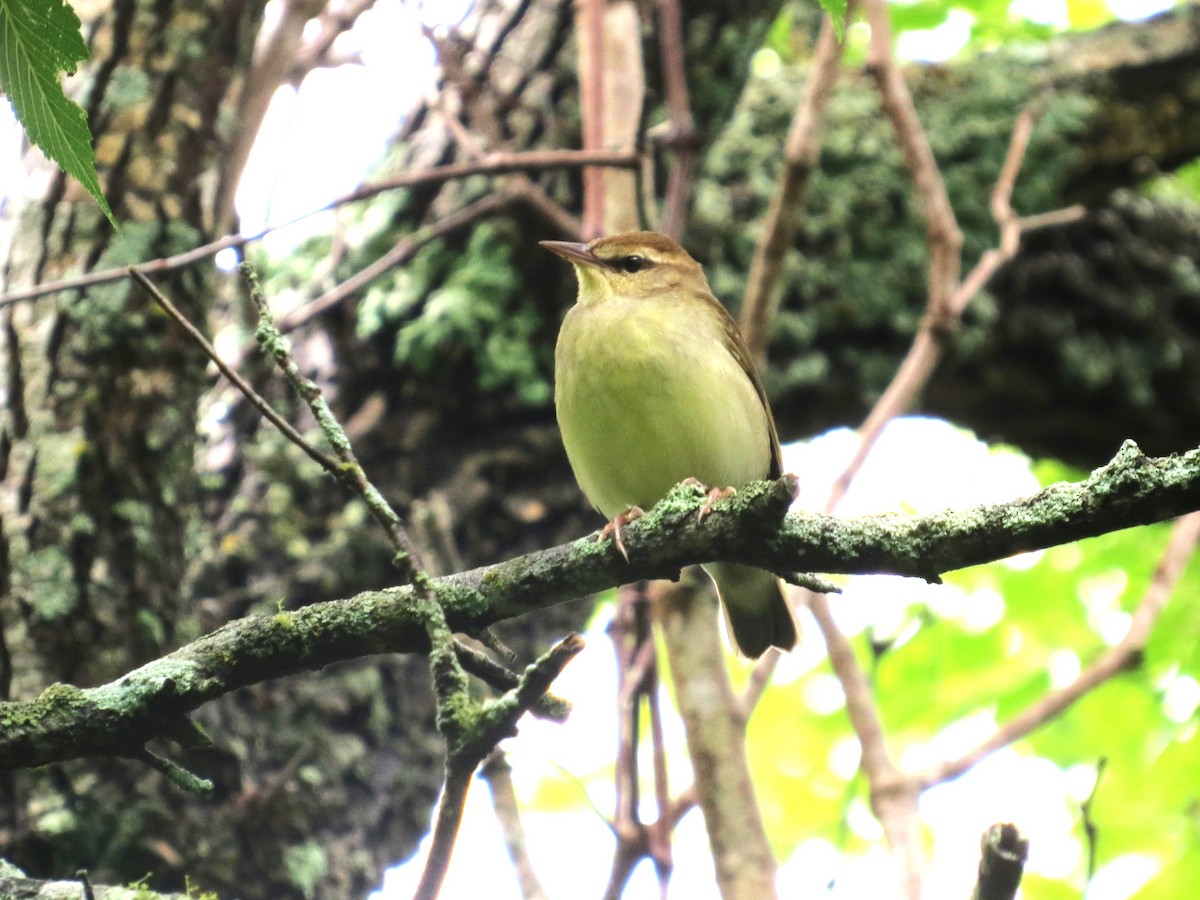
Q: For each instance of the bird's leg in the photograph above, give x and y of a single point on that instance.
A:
(613, 528)
(714, 494)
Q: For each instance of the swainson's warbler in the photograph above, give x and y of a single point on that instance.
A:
(653, 385)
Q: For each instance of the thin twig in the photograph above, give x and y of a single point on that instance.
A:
(1118, 658)
(802, 152)
(943, 234)
(501, 163)
(445, 830)
(256, 400)
(498, 774)
(681, 132)
(1002, 212)
(494, 163)
(893, 797)
(345, 467)
(471, 738)
(938, 324)
(547, 207)
(658, 832)
(402, 252)
(348, 470)
(182, 778)
(491, 672)
(634, 652)
(1091, 832)
(484, 127)
(1053, 218)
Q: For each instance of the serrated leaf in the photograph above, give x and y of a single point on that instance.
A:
(39, 39)
(837, 12)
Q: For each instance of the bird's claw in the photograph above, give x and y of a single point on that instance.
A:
(714, 494)
(613, 529)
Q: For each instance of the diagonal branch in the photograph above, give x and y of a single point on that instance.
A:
(118, 718)
(1118, 658)
(491, 164)
(801, 155)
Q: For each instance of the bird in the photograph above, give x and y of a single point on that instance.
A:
(653, 385)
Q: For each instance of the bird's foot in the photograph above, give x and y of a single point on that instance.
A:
(714, 494)
(613, 529)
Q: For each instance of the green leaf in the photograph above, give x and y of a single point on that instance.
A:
(837, 12)
(39, 39)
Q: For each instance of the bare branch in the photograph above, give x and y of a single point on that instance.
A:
(498, 774)
(680, 137)
(493, 163)
(347, 469)
(944, 236)
(256, 400)
(801, 154)
(589, 30)
(633, 646)
(492, 673)
(402, 252)
(445, 830)
(1118, 658)
(498, 163)
(745, 865)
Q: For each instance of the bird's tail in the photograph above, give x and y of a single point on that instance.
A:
(756, 613)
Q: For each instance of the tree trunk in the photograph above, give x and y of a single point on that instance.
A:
(106, 549)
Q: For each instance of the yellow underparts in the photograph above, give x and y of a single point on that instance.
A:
(647, 395)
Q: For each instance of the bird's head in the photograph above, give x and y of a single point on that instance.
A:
(631, 265)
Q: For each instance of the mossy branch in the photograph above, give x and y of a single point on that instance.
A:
(118, 718)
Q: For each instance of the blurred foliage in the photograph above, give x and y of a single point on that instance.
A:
(996, 23)
(944, 670)
(991, 23)
(1180, 186)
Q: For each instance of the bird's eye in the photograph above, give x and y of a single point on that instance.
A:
(631, 264)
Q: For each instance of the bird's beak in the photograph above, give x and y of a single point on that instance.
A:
(573, 252)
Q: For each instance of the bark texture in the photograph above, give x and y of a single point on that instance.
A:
(107, 524)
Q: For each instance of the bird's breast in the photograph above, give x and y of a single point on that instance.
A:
(647, 395)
